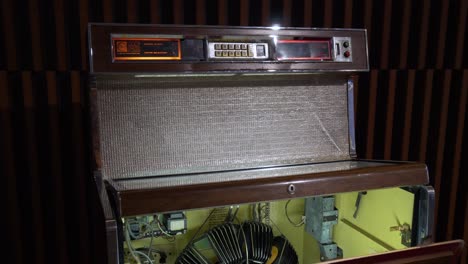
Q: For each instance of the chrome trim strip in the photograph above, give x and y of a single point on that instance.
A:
(273, 28)
(90, 49)
(426, 215)
(351, 132)
(367, 49)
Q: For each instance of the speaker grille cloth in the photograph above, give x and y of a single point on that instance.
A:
(167, 126)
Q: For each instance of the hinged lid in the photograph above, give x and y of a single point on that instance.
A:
(159, 126)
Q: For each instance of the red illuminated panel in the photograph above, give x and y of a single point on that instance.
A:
(136, 49)
(314, 50)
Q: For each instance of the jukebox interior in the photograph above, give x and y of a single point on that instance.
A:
(236, 145)
(301, 230)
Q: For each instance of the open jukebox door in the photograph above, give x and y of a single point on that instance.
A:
(236, 145)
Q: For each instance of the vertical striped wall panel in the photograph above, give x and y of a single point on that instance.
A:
(410, 106)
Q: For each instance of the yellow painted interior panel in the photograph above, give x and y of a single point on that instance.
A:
(355, 243)
(379, 210)
(279, 223)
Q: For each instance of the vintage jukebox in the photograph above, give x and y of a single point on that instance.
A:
(236, 145)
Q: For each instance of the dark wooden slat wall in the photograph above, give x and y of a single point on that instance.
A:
(410, 106)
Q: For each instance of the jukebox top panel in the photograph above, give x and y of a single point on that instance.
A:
(155, 48)
(267, 113)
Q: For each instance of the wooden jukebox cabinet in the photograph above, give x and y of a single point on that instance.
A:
(236, 145)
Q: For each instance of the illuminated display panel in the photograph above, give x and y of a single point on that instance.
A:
(135, 49)
(303, 50)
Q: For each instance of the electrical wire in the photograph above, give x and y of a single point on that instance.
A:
(289, 219)
(276, 226)
(231, 216)
(163, 230)
(234, 215)
(145, 256)
(282, 252)
(151, 241)
(148, 227)
(131, 234)
(129, 244)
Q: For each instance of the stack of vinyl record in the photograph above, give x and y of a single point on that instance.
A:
(248, 243)
(225, 242)
(191, 256)
(282, 252)
(256, 239)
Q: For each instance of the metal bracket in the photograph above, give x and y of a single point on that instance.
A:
(321, 216)
(358, 203)
(351, 119)
(330, 251)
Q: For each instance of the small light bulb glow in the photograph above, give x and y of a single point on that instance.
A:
(275, 27)
(275, 38)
